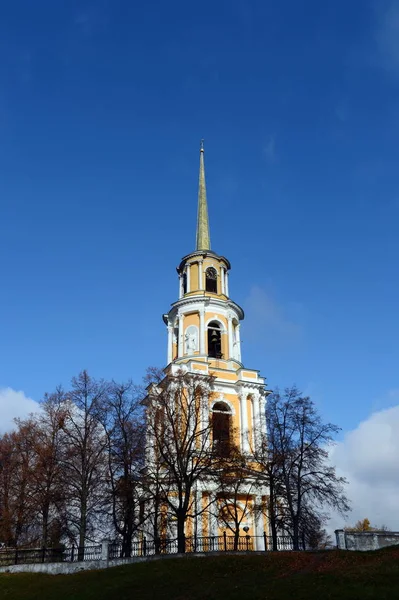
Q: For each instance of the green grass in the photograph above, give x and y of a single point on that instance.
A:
(292, 576)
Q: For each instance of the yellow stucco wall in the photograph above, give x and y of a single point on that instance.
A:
(249, 374)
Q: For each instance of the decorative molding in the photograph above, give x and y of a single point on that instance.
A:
(210, 301)
(217, 318)
(221, 398)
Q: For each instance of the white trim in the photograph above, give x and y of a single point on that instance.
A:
(255, 419)
(200, 276)
(180, 285)
(211, 302)
(216, 318)
(258, 524)
(191, 327)
(199, 517)
(238, 342)
(230, 330)
(181, 334)
(245, 447)
(221, 398)
(188, 278)
(202, 330)
(170, 343)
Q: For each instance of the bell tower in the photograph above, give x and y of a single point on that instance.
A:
(203, 327)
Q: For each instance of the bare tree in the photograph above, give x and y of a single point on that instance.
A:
(122, 418)
(267, 463)
(179, 442)
(236, 482)
(83, 462)
(299, 443)
(313, 535)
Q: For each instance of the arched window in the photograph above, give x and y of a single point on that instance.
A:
(214, 340)
(221, 426)
(211, 280)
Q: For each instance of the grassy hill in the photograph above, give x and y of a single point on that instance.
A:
(284, 575)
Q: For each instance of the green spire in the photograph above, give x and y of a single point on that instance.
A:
(203, 237)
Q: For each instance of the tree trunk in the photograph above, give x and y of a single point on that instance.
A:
(82, 531)
(45, 514)
(295, 534)
(181, 540)
(236, 538)
(272, 516)
(127, 542)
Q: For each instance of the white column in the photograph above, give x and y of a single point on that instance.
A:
(244, 422)
(104, 549)
(262, 415)
(238, 343)
(180, 286)
(259, 528)
(222, 275)
(213, 522)
(188, 272)
(202, 331)
(181, 336)
(255, 418)
(170, 343)
(230, 334)
(199, 508)
(200, 276)
(205, 421)
(227, 283)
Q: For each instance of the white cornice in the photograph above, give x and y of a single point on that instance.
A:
(202, 301)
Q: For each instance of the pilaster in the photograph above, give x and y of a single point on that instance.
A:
(181, 335)
(200, 276)
(202, 331)
(244, 422)
(188, 275)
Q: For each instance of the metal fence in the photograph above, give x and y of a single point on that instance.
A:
(143, 547)
(25, 556)
(220, 543)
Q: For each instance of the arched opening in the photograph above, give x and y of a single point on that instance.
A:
(184, 276)
(214, 340)
(211, 280)
(221, 426)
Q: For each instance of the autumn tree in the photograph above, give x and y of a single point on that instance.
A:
(10, 492)
(46, 439)
(179, 442)
(17, 509)
(365, 525)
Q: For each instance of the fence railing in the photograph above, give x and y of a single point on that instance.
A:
(19, 556)
(143, 547)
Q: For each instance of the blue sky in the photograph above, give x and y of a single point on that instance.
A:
(102, 106)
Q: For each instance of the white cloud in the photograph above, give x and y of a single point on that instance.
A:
(268, 320)
(369, 458)
(387, 35)
(14, 404)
